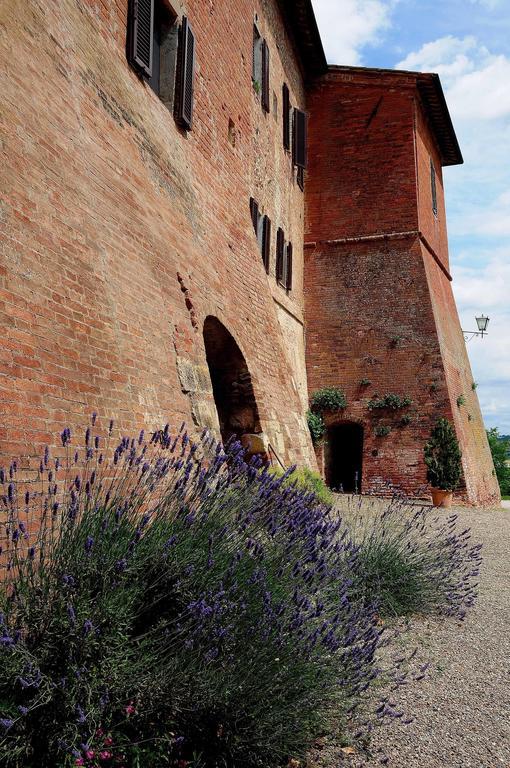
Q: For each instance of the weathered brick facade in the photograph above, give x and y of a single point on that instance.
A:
(122, 234)
(380, 313)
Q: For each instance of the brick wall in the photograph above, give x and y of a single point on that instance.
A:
(379, 307)
(121, 233)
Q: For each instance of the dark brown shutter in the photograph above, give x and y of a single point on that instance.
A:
(286, 116)
(185, 76)
(266, 242)
(265, 77)
(300, 177)
(280, 249)
(254, 211)
(288, 269)
(299, 136)
(141, 34)
(433, 187)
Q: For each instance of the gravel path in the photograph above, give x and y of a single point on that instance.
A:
(461, 709)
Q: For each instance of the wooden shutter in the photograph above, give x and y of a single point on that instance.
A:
(286, 116)
(433, 186)
(280, 254)
(265, 77)
(254, 211)
(185, 76)
(299, 136)
(266, 242)
(300, 177)
(288, 268)
(141, 35)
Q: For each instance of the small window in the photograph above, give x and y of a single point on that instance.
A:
(433, 187)
(280, 257)
(163, 55)
(288, 267)
(299, 138)
(260, 69)
(266, 242)
(286, 116)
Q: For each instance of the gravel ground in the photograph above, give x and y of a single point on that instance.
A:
(461, 709)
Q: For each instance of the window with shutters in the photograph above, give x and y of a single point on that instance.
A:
(162, 52)
(266, 242)
(288, 267)
(260, 69)
(433, 186)
(299, 130)
(262, 228)
(286, 116)
(280, 257)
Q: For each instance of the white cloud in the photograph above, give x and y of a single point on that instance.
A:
(347, 30)
(476, 83)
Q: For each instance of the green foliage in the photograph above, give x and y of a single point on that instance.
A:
(410, 561)
(460, 401)
(405, 420)
(328, 399)
(474, 385)
(389, 402)
(365, 383)
(499, 450)
(316, 426)
(443, 457)
(395, 340)
(383, 430)
(305, 479)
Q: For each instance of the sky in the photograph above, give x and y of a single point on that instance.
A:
(467, 42)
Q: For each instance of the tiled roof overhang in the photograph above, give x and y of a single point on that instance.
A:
(434, 102)
(301, 21)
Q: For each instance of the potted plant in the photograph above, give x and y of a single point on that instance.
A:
(443, 460)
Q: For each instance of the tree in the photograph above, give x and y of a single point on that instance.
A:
(499, 448)
(443, 457)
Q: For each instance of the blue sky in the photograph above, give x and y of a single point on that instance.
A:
(468, 43)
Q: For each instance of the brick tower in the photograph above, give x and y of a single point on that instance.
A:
(380, 313)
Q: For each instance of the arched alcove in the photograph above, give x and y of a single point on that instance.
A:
(343, 455)
(231, 382)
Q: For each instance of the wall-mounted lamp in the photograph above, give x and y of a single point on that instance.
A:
(482, 323)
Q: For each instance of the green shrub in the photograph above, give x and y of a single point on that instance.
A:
(390, 402)
(499, 451)
(383, 430)
(305, 479)
(328, 399)
(412, 562)
(443, 457)
(461, 400)
(316, 426)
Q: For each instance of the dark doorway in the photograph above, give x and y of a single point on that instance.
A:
(344, 457)
(231, 382)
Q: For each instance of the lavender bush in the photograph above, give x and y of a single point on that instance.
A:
(173, 605)
(410, 560)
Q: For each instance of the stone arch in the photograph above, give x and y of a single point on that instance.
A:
(343, 456)
(234, 397)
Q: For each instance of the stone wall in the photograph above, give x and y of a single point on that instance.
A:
(121, 233)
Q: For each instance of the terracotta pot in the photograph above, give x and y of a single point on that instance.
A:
(441, 498)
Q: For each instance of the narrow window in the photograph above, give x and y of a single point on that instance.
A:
(256, 74)
(300, 177)
(254, 212)
(433, 187)
(266, 242)
(299, 138)
(155, 51)
(280, 257)
(286, 116)
(265, 77)
(288, 267)
(185, 76)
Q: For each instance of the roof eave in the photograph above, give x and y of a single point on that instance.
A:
(300, 17)
(432, 95)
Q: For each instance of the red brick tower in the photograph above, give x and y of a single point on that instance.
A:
(380, 313)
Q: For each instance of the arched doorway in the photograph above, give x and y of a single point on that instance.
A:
(344, 457)
(231, 382)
